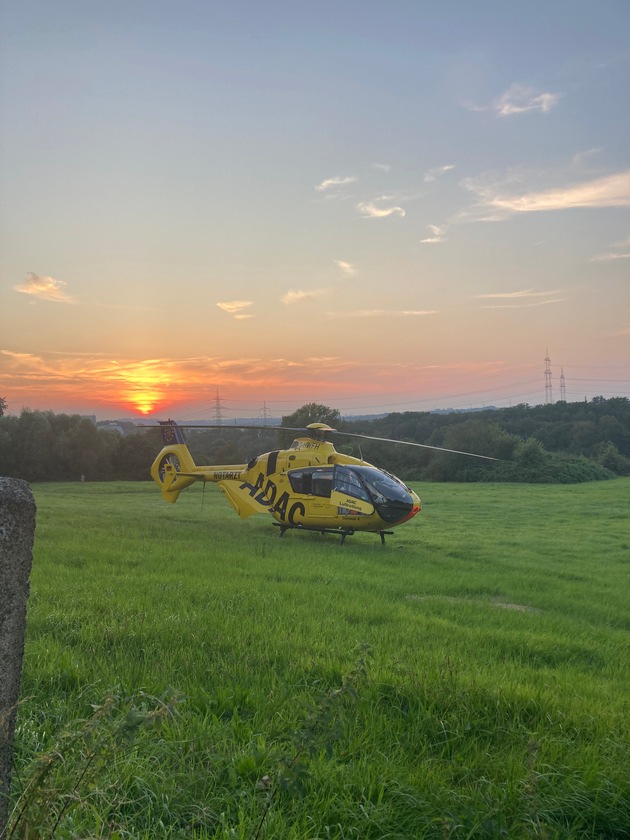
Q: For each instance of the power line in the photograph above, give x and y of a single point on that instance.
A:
(601, 380)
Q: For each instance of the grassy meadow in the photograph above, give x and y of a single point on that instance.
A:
(190, 675)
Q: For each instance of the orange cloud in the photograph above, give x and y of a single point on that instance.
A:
(44, 288)
(234, 307)
(298, 295)
(167, 386)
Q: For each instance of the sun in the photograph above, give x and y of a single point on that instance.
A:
(145, 387)
(145, 403)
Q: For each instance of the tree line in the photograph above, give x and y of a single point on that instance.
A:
(43, 446)
(563, 442)
(559, 442)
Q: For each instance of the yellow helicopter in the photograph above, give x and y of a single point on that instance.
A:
(309, 486)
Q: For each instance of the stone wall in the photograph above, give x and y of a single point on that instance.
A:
(17, 532)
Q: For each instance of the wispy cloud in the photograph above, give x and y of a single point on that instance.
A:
(522, 293)
(382, 313)
(235, 307)
(44, 288)
(519, 99)
(610, 257)
(521, 298)
(19, 358)
(438, 235)
(523, 305)
(347, 269)
(371, 211)
(298, 295)
(337, 181)
(383, 167)
(619, 251)
(433, 174)
(496, 203)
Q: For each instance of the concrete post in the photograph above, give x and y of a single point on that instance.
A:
(17, 532)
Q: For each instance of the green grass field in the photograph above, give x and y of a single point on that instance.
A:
(189, 675)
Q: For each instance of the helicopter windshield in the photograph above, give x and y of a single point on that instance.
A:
(388, 494)
(381, 486)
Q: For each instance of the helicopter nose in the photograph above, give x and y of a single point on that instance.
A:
(415, 510)
(395, 511)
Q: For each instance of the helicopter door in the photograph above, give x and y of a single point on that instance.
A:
(348, 492)
(316, 483)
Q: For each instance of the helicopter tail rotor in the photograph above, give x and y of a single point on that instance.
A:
(174, 468)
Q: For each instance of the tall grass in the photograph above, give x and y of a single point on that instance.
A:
(189, 675)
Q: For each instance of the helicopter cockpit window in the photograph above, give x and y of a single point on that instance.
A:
(347, 482)
(312, 481)
(382, 486)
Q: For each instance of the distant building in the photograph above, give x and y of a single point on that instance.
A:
(113, 426)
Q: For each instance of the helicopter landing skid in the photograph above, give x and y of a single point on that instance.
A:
(342, 533)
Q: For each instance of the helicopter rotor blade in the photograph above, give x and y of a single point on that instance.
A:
(316, 433)
(225, 426)
(421, 445)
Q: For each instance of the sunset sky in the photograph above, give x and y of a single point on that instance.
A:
(379, 206)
